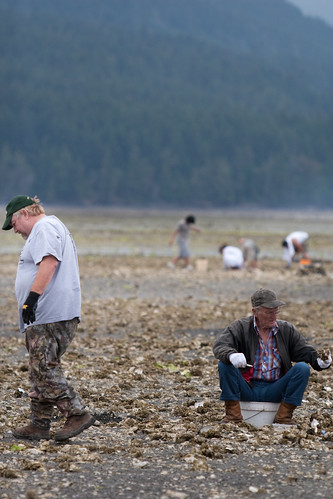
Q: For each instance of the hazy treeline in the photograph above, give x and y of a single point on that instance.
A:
(188, 102)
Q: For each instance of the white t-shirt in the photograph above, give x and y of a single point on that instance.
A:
(289, 252)
(61, 300)
(232, 257)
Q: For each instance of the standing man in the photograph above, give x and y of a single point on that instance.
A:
(48, 292)
(256, 357)
(182, 233)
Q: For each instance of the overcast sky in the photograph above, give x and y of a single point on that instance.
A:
(318, 8)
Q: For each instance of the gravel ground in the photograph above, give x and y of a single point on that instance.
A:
(142, 361)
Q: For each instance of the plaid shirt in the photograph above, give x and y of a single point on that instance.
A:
(267, 360)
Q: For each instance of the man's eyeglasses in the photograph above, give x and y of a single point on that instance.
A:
(270, 311)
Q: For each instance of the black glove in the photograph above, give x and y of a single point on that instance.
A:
(29, 308)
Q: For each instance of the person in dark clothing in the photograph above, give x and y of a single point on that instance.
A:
(263, 359)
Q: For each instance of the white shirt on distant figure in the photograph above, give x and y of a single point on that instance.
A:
(232, 257)
(289, 251)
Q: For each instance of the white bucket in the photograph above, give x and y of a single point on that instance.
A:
(259, 413)
(201, 264)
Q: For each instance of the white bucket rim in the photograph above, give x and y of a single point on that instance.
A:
(259, 406)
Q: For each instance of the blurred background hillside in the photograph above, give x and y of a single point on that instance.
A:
(155, 103)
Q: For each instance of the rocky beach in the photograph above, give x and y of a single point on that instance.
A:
(142, 360)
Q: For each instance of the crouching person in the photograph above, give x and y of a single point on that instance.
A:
(262, 359)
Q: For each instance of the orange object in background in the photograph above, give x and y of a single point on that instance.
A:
(305, 261)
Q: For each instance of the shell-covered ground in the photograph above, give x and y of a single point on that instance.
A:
(142, 360)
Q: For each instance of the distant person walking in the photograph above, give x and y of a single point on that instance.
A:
(48, 293)
(250, 252)
(295, 243)
(181, 232)
(232, 257)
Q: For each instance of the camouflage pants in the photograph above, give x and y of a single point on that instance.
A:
(46, 343)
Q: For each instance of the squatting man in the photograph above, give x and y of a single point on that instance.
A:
(263, 359)
(48, 292)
